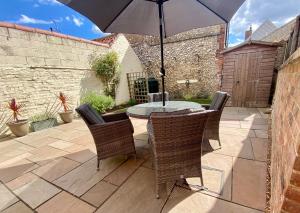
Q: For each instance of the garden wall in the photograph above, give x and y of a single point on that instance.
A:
(285, 159)
(190, 55)
(35, 65)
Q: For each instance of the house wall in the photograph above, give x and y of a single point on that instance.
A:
(285, 157)
(35, 65)
(189, 55)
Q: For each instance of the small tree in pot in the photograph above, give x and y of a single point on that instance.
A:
(67, 114)
(18, 127)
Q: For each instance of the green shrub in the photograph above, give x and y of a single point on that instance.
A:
(132, 102)
(101, 103)
(187, 97)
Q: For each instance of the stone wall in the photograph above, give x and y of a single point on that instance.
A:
(190, 55)
(35, 65)
(285, 159)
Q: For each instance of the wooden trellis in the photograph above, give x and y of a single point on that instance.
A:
(138, 86)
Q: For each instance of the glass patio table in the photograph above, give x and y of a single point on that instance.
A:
(144, 110)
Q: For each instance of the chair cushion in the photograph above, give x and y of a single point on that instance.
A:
(218, 101)
(89, 114)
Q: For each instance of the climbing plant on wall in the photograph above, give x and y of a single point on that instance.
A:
(107, 69)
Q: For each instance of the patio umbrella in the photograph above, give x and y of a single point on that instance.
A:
(161, 18)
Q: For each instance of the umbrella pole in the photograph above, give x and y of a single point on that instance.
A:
(162, 69)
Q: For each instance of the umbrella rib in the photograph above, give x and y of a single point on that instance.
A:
(126, 6)
(213, 11)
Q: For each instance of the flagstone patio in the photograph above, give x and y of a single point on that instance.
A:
(54, 170)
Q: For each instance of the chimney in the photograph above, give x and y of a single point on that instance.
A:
(248, 33)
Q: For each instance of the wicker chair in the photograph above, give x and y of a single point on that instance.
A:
(213, 122)
(113, 134)
(176, 143)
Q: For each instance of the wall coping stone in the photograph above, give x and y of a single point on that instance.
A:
(46, 32)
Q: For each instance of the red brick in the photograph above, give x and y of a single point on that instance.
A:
(293, 193)
(297, 164)
(291, 206)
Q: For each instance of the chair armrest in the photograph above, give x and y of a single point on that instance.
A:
(115, 117)
(112, 131)
(206, 106)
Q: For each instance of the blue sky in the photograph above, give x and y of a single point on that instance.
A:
(49, 13)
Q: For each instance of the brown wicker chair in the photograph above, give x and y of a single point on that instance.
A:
(113, 134)
(176, 143)
(213, 122)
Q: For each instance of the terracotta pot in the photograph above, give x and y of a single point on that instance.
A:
(20, 128)
(67, 116)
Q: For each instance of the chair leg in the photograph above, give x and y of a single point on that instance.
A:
(157, 191)
(219, 140)
(98, 164)
(134, 155)
(201, 176)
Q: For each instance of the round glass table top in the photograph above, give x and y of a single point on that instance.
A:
(144, 110)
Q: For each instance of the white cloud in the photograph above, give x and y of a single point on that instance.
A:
(36, 5)
(68, 18)
(96, 29)
(49, 2)
(77, 21)
(28, 20)
(237, 42)
(255, 12)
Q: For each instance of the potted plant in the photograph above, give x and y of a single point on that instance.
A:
(67, 115)
(18, 127)
(44, 120)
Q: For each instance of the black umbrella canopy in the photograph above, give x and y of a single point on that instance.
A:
(155, 17)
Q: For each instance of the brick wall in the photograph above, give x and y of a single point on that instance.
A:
(36, 64)
(285, 159)
(190, 55)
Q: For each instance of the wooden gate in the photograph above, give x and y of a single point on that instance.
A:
(247, 74)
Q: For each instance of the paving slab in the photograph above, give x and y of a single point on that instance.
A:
(236, 146)
(55, 169)
(84, 177)
(32, 189)
(81, 155)
(186, 201)
(260, 148)
(45, 154)
(249, 183)
(217, 176)
(65, 203)
(136, 195)
(124, 171)
(10, 170)
(18, 207)
(7, 198)
(99, 193)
